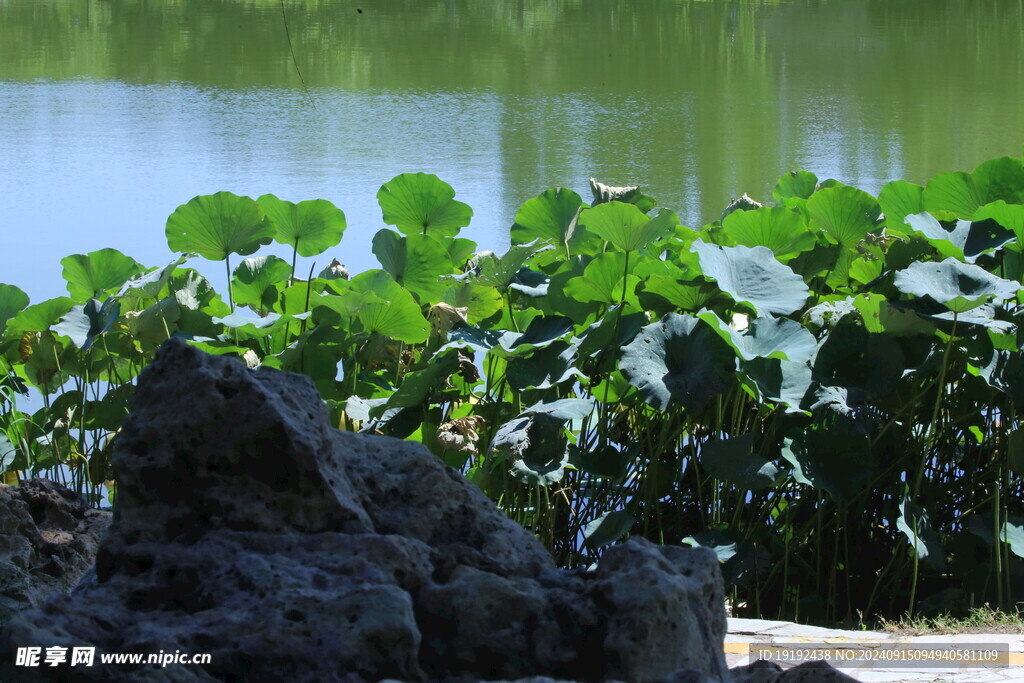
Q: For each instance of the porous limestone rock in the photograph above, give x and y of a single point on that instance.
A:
(246, 527)
(48, 540)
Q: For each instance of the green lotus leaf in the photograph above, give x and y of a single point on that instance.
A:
(881, 315)
(781, 381)
(149, 285)
(958, 286)
(155, 324)
(480, 301)
(544, 368)
(608, 528)
(254, 281)
(39, 317)
(829, 461)
(659, 363)
(417, 262)
(913, 522)
(898, 200)
(536, 443)
(607, 462)
(542, 331)
(310, 227)
(218, 225)
(782, 230)
(8, 453)
(1010, 216)
(418, 203)
(953, 192)
(690, 296)
(393, 312)
(89, 275)
(85, 323)
(12, 300)
(626, 226)
(765, 338)
(752, 275)
(1000, 179)
(530, 282)
(845, 213)
(868, 364)
(549, 217)
(417, 385)
(733, 460)
(601, 281)
(795, 184)
(965, 241)
(612, 331)
(500, 271)
(460, 250)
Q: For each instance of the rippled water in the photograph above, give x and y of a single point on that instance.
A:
(114, 113)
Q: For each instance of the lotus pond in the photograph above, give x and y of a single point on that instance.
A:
(824, 390)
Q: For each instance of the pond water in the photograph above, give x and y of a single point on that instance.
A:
(114, 113)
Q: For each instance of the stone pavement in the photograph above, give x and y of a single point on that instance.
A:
(848, 651)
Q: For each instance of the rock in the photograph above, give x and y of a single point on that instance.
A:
(48, 540)
(248, 529)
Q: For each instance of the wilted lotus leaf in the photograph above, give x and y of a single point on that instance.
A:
(443, 317)
(461, 434)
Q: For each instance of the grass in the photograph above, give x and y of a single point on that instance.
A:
(979, 620)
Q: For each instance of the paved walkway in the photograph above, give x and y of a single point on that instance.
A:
(848, 651)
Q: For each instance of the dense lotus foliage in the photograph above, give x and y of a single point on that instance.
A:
(824, 391)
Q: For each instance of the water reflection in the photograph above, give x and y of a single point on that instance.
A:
(116, 112)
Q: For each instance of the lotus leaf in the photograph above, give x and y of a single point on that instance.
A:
(914, 523)
(659, 363)
(782, 230)
(734, 461)
(39, 317)
(149, 285)
(829, 462)
(958, 286)
(422, 203)
(955, 193)
(795, 184)
(86, 322)
(12, 300)
(416, 262)
(966, 241)
(89, 275)
(765, 338)
(601, 281)
(480, 301)
(310, 227)
(626, 226)
(549, 217)
(845, 213)
(898, 200)
(781, 381)
(393, 312)
(1000, 179)
(1010, 216)
(752, 275)
(218, 225)
(254, 280)
(544, 368)
(608, 528)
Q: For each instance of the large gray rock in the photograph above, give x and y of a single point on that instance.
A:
(248, 528)
(48, 540)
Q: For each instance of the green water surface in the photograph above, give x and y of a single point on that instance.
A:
(114, 112)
